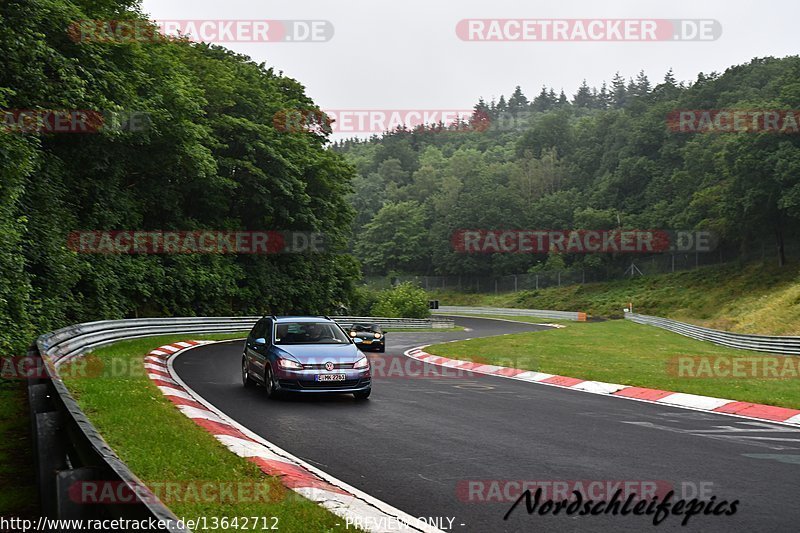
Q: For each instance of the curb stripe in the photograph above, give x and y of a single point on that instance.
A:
(677, 399)
(564, 381)
(161, 374)
(640, 393)
(768, 412)
(706, 403)
(170, 391)
(344, 501)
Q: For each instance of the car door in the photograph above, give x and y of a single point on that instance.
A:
(258, 353)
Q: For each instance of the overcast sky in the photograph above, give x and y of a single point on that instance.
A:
(406, 54)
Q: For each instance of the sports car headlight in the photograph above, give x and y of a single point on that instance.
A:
(352, 333)
(289, 364)
(362, 363)
(378, 335)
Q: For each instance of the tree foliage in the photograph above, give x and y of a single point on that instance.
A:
(211, 158)
(605, 160)
(404, 300)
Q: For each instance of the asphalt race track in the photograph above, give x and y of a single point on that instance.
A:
(419, 440)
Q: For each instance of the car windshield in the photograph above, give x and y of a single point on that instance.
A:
(365, 327)
(309, 333)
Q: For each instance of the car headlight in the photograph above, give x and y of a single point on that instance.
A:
(378, 335)
(352, 333)
(289, 364)
(362, 363)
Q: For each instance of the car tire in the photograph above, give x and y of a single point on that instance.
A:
(269, 383)
(362, 395)
(247, 381)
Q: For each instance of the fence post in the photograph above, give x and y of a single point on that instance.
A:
(515, 283)
(537, 282)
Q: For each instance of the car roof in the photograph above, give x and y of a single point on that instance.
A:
(281, 319)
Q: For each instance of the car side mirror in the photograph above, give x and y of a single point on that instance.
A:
(357, 340)
(261, 340)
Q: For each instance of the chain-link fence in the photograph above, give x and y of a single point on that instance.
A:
(636, 266)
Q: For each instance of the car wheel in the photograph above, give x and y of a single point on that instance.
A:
(269, 382)
(362, 395)
(247, 381)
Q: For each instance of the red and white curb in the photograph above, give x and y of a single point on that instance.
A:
(675, 399)
(360, 510)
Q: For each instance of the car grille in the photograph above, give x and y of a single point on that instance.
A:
(322, 366)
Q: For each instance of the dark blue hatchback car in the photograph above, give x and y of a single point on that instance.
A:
(305, 355)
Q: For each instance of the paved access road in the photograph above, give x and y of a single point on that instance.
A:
(421, 438)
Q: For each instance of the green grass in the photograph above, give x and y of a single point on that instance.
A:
(160, 444)
(528, 319)
(753, 298)
(620, 351)
(18, 495)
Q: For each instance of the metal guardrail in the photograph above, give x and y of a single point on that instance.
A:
(68, 449)
(541, 313)
(399, 323)
(759, 343)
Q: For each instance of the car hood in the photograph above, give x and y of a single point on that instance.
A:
(322, 353)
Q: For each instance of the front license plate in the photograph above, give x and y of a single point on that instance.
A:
(330, 377)
(365, 341)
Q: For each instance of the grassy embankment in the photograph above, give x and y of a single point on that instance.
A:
(753, 298)
(161, 445)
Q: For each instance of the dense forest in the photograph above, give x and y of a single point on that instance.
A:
(213, 157)
(210, 158)
(601, 159)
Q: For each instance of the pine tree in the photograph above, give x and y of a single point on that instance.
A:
(543, 101)
(517, 102)
(669, 78)
(643, 86)
(502, 106)
(583, 98)
(619, 94)
(481, 116)
(604, 98)
(481, 107)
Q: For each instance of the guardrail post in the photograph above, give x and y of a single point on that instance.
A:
(50, 454)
